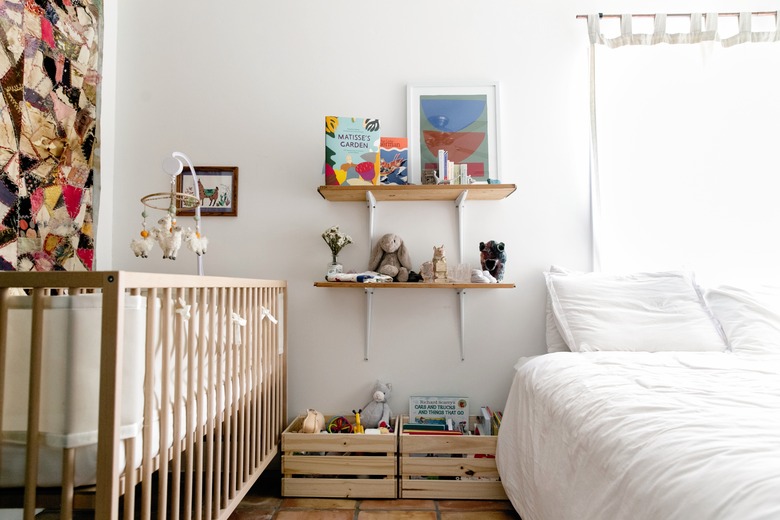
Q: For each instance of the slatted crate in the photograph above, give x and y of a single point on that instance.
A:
(339, 465)
(448, 466)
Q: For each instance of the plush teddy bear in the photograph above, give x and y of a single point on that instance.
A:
(492, 256)
(391, 258)
(376, 414)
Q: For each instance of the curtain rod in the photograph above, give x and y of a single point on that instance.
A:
(602, 15)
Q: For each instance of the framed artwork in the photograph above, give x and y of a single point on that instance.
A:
(217, 191)
(460, 119)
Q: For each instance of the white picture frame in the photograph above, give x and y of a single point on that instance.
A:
(421, 125)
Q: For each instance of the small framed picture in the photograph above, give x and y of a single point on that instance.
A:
(217, 191)
(461, 120)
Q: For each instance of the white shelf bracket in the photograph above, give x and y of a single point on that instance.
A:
(460, 203)
(462, 309)
(371, 208)
(369, 302)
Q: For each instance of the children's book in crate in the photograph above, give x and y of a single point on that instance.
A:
(437, 409)
(393, 156)
(351, 150)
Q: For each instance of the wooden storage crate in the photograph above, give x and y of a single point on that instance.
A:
(448, 466)
(338, 465)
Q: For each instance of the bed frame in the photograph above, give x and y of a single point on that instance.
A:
(218, 451)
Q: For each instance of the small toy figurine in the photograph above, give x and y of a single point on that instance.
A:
(492, 256)
(439, 264)
(358, 428)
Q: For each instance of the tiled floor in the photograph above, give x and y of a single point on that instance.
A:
(265, 503)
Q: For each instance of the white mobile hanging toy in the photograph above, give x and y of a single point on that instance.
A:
(168, 234)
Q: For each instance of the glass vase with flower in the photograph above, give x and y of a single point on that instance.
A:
(336, 240)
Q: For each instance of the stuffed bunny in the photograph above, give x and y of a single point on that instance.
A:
(390, 257)
(376, 413)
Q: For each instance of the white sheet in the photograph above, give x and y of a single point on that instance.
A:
(636, 435)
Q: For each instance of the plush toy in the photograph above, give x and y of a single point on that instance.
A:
(390, 257)
(313, 422)
(492, 256)
(195, 242)
(376, 413)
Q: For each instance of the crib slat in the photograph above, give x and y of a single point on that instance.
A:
(129, 503)
(211, 374)
(3, 350)
(34, 406)
(109, 402)
(178, 349)
(66, 494)
(149, 343)
(165, 407)
(222, 316)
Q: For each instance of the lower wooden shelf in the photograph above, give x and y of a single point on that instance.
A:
(414, 285)
(461, 288)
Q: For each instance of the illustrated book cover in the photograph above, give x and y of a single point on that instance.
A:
(437, 409)
(351, 151)
(393, 156)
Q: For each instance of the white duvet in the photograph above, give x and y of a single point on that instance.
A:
(635, 435)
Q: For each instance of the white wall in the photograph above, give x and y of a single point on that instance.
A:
(249, 84)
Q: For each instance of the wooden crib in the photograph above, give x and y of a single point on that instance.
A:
(190, 377)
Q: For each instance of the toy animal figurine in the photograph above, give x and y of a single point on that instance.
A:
(439, 264)
(313, 422)
(142, 246)
(376, 413)
(391, 258)
(492, 256)
(358, 428)
(195, 242)
(168, 236)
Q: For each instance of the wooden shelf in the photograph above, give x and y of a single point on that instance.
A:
(414, 285)
(384, 192)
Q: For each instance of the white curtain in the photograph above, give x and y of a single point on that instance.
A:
(684, 163)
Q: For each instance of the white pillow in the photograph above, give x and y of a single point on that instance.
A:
(750, 317)
(555, 342)
(648, 312)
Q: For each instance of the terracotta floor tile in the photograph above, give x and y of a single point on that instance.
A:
(318, 503)
(397, 504)
(261, 502)
(397, 515)
(479, 515)
(311, 514)
(474, 505)
(251, 514)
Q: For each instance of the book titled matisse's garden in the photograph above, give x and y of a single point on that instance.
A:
(351, 151)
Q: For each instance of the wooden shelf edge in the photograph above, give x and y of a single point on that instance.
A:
(418, 285)
(414, 192)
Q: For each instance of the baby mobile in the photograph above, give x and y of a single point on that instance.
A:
(168, 234)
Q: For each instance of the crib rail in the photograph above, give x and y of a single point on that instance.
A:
(213, 385)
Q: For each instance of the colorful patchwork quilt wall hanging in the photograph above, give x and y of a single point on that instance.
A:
(49, 78)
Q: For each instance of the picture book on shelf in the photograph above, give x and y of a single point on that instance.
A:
(393, 156)
(437, 409)
(351, 151)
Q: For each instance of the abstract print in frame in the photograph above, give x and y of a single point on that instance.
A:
(460, 119)
(49, 109)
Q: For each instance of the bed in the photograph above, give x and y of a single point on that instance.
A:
(657, 399)
(138, 395)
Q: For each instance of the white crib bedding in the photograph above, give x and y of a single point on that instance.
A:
(672, 435)
(69, 392)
